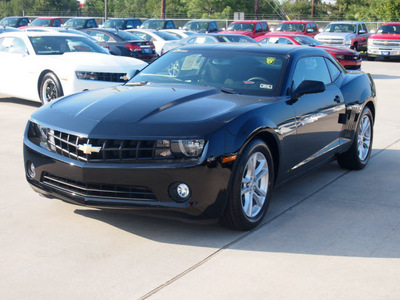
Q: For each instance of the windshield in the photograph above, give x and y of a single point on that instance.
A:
(237, 72)
(196, 26)
(241, 27)
(41, 22)
(389, 28)
(306, 40)
(60, 44)
(112, 24)
(76, 23)
(9, 22)
(153, 24)
(290, 27)
(345, 28)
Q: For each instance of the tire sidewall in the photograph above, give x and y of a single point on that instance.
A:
(50, 76)
(235, 191)
(366, 112)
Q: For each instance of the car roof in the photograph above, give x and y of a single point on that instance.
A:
(202, 20)
(346, 22)
(249, 21)
(48, 18)
(297, 21)
(257, 48)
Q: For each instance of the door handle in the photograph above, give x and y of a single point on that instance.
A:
(337, 99)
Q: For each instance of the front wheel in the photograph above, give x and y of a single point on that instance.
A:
(250, 190)
(50, 88)
(357, 157)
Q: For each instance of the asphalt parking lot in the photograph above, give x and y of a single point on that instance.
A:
(332, 234)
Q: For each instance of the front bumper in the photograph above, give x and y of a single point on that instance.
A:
(128, 186)
(383, 52)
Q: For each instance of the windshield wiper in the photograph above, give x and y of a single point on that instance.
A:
(228, 90)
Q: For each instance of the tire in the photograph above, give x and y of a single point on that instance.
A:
(357, 157)
(50, 88)
(251, 185)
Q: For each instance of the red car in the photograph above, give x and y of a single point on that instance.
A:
(252, 29)
(45, 22)
(385, 42)
(349, 59)
(309, 28)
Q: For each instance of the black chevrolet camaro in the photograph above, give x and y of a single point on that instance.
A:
(205, 130)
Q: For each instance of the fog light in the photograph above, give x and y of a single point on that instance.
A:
(179, 192)
(31, 170)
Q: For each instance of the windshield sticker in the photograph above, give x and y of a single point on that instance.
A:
(266, 86)
(270, 60)
(248, 82)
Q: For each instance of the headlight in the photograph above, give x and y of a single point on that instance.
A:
(370, 42)
(187, 148)
(340, 57)
(38, 135)
(86, 75)
(348, 41)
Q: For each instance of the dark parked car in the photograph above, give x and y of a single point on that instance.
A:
(81, 23)
(206, 130)
(14, 22)
(122, 23)
(123, 43)
(158, 24)
(202, 26)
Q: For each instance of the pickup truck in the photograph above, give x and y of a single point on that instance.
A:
(385, 42)
(353, 35)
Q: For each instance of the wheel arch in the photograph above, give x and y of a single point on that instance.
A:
(40, 78)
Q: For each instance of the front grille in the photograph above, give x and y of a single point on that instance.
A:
(109, 150)
(104, 191)
(387, 43)
(351, 57)
(331, 41)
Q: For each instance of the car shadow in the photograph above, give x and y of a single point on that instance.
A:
(320, 213)
(21, 102)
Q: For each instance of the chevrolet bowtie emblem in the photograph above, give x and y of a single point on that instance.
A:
(88, 148)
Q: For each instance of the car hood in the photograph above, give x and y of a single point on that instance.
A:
(95, 62)
(338, 50)
(386, 36)
(151, 110)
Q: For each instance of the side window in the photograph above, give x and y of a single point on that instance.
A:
(359, 28)
(284, 41)
(314, 26)
(56, 23)
(310, 68)
(169, 25)
(308, 26)
(333, 70)
(258, 27)
(265, 26)
(364, 27)
(91, 24)
(213, 26)
(129, 24)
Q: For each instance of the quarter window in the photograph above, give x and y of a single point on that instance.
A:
(333, 70)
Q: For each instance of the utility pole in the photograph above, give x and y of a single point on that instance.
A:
(256, 6)
(105, 10)
(162, 9)
(312, 9)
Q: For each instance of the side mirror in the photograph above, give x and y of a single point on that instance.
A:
(310, 30)
(362, 31)
(372, 31)
(308, 87)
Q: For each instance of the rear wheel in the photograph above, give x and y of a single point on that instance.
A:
(50, 88)
(251, 186)
(358, 155)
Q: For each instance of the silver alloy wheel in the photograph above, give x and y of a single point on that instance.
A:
(254, 184)
(49, 90)
(364, 138)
